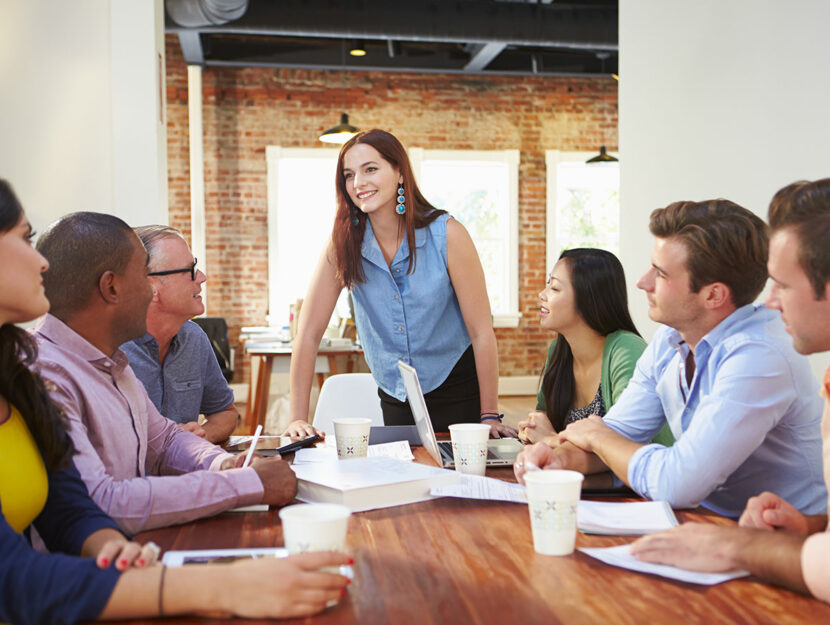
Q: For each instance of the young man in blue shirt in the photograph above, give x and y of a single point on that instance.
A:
(799, 265)
(174, 360)
(740, 402)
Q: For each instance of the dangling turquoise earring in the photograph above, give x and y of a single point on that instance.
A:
(355, 220)
(401, 207)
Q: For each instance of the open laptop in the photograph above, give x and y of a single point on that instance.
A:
(500, 451)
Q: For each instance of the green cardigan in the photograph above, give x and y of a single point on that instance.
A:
(619, 358)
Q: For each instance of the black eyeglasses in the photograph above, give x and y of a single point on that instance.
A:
(191, 270)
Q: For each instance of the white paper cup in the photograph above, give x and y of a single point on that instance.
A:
(469, 447)
(552, 498)
(315, 527)
(352, 436)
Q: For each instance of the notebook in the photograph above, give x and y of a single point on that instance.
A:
(500, 451)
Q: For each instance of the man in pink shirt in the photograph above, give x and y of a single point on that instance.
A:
(143, 470)
(775, 541)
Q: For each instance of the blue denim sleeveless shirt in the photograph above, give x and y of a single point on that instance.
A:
(411, 317)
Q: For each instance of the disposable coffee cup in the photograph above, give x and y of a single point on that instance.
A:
(315, 527)
(469, 447)
(553, 497)
(352, 436)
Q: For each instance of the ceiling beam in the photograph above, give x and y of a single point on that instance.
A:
(482, 54)
(468, 21)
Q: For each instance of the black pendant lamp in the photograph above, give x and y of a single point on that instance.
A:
(602, 157)
(340, 133)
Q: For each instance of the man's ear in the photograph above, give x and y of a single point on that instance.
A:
(716, 295)
(108, 287)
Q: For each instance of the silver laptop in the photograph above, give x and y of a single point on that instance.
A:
(500, 451)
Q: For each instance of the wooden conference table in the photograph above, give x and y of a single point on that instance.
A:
(459, 561)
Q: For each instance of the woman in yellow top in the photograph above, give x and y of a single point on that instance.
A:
(104, 575)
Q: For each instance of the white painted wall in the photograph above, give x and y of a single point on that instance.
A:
(718, 98)
(81, 106)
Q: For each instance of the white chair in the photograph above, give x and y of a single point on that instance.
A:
(347, 395)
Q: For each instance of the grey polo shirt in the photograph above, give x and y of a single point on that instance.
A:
(189, 382)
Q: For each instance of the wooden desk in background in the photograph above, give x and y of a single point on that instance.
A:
(459, 561)
(269, 353)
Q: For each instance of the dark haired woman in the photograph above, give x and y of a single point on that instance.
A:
(593, 357)
(418, 290)
(39, 487)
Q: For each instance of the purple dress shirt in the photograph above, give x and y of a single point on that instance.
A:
(141, 468)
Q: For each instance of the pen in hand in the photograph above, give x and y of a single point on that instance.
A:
(251, 449)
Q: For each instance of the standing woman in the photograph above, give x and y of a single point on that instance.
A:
(93, 570)
(596, 349)
(418, 289)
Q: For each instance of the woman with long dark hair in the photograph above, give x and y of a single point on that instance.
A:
(93, 570)
(597, 346)
(418, 290)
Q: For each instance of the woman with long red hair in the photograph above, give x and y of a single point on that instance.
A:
(418, 290)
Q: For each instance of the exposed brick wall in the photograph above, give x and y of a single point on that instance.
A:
(246, 110)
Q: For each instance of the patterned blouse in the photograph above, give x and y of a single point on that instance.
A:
(595, 407)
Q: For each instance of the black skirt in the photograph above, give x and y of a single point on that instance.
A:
(457, 400)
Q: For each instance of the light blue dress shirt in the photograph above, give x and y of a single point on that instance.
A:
(411, 317)
(749, 421)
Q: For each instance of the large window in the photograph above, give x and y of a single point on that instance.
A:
(583, 204)
(480, 190)
(301, 206)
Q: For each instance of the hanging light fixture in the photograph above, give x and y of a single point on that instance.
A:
(340, 133)
(602, 157)
(358, 48)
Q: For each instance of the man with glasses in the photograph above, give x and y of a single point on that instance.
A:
(143, 470)
(174, 359)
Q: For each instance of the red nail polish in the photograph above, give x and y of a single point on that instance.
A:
(348, 581)
(140, 562)
(105, 563)
(342, 592)
(351, 560)
(122, 563)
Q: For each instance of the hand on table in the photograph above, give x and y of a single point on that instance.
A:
(499, 430)
(768, 511)
(540, 455)
(278, 480)
(126, 553)
(583, 432)
(194, 428)
(285, 587)
(302, 429)
(536, 427)
(692, 546)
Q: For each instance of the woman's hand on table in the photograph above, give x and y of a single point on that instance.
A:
(126, 554)
(302, 429)
(285, 587)
(536, 427)
(500, 430)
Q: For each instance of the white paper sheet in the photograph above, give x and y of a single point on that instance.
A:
(633, 518)
(257, 507)
(397, 449)
(478, 487)
(620, 556)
